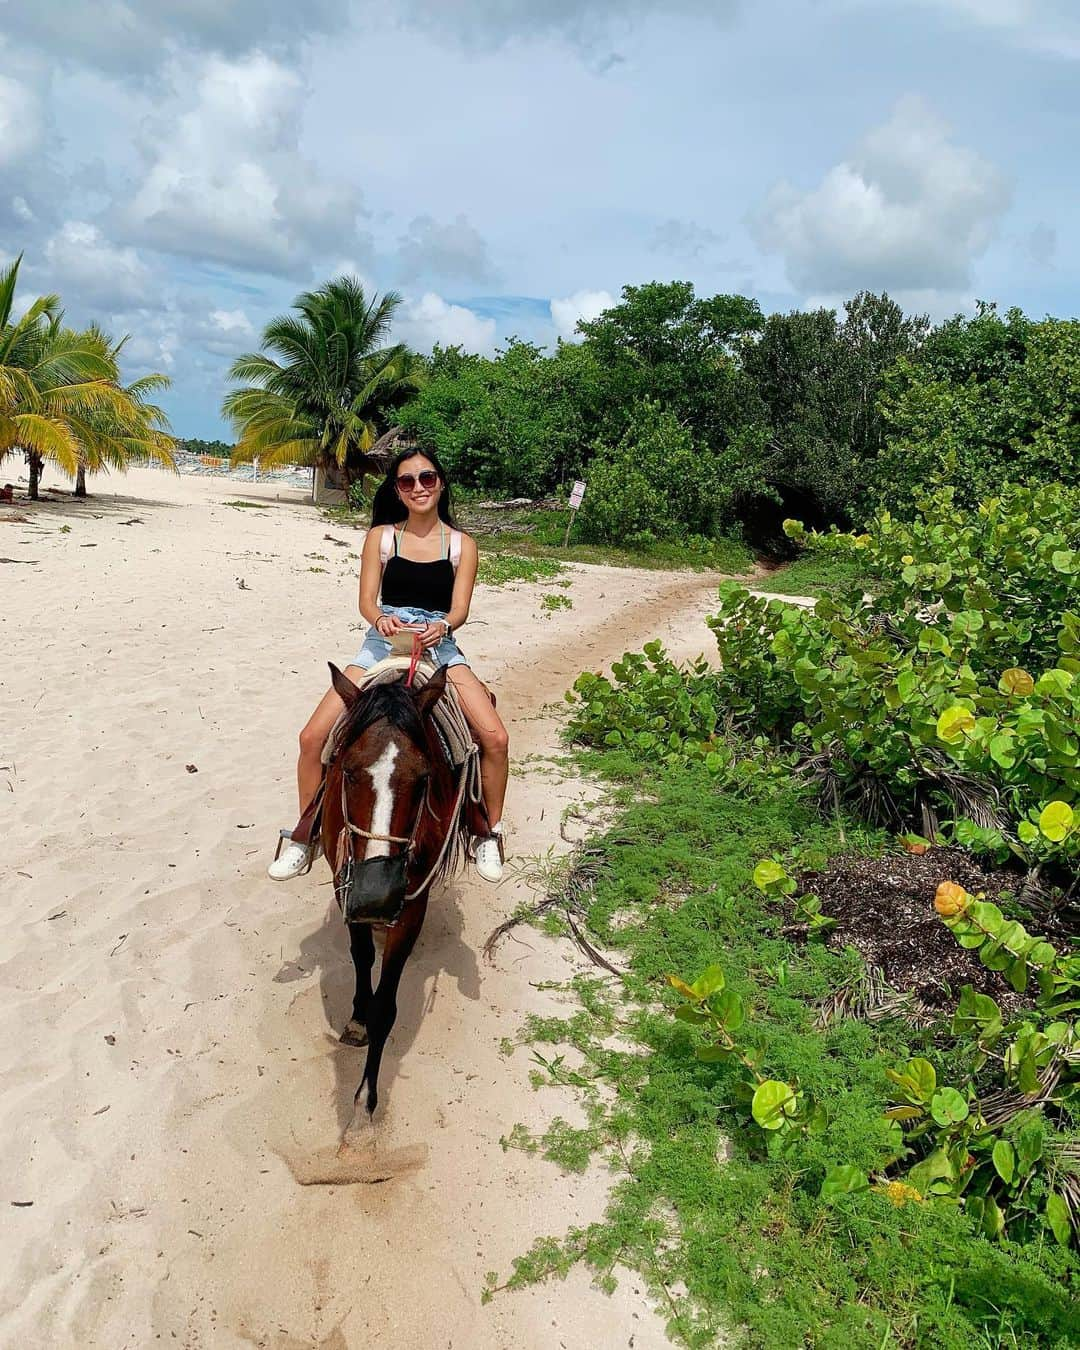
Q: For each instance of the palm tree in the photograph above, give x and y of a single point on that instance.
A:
(60, 399)
(323, 388)
(140, 433)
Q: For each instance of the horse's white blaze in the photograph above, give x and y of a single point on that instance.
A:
(382, 771)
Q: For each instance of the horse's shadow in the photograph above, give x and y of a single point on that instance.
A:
(440, 951)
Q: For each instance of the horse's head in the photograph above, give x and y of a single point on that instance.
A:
(377, 787)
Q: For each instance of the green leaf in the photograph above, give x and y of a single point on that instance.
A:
(1057, 1216)
(773, 1102)
(728, 1007)
(843, 1179)
(993, 1221)
(1029, 1147)
(708, 982)
(712, 1054)
(948, 1107)
(917, 1080)
(1004, 1160)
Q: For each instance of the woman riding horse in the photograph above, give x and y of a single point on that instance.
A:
(417, 572)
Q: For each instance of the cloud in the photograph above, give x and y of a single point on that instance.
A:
(79, 257)
(132, 37)
(488, 24)
(430, 319)
(22, 122)
(908, 210)
(225, 180)
(582, 305)
(225, 332)
(455, 252)
(683, 239)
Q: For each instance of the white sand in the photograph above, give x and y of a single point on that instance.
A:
(170, 1016)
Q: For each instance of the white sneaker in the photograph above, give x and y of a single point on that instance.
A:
(488, 853)
(293, 861)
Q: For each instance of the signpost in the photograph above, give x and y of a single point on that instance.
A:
(576, 497)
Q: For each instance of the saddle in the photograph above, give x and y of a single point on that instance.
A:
(454, 732)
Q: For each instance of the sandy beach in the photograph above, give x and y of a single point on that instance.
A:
(170, 1016)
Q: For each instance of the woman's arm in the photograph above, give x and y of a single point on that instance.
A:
(464, 582)
(370, 582)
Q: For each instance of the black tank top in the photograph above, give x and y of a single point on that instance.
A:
(418, 585)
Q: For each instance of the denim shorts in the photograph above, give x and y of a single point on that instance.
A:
(376, 648)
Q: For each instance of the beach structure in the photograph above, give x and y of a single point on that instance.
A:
(328, 485)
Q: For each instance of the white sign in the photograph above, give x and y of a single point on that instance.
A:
(577, 495)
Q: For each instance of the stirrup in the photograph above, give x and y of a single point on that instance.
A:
(285, 836)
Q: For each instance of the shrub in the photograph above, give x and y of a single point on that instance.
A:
(655, 482)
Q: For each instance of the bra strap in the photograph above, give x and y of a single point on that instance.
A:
(455, 548)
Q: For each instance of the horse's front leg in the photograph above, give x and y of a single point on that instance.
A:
(362, 946)
(382, 1011)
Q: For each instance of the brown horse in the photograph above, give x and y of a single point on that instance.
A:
(393, 802)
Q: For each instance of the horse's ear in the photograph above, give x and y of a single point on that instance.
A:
(427, 697)
(344, 686)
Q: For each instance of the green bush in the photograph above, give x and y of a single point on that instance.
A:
(984, 399)
(655, 482)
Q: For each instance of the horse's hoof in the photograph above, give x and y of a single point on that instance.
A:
(355, 1033)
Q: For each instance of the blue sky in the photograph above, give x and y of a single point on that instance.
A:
(179, 171)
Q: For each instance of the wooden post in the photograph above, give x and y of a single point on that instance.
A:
(576, 497)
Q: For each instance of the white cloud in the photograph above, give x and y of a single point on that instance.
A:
(79, 257)
(430, 319)
(21, 120)
(582, 305)
(225, 332)
(130, 37)
(908, 210)
(225, 179)
(456, 251)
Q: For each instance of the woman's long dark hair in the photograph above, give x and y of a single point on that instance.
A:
(387, 508)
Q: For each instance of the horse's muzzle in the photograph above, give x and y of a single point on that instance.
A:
(372, 890)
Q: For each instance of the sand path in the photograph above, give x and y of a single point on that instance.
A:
(169, 1016)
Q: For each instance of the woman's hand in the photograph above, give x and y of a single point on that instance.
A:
(432, 635)
(388, 624)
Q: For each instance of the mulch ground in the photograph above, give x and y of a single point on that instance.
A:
(884, 908)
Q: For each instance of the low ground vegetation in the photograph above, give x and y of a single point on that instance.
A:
(834, 1059)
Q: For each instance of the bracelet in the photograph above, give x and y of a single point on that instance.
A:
(449, 630)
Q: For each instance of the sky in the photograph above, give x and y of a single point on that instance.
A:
(179, 171)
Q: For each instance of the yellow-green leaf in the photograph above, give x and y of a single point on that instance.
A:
(1056, 820)
(954, 723)
(1016, 682)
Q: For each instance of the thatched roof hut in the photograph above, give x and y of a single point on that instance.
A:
(389, 444)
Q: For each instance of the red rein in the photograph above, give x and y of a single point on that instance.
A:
(414, 660)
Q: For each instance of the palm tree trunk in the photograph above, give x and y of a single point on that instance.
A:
(36, 463)
(80, 481)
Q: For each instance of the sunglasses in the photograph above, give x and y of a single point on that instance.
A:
(427, 479)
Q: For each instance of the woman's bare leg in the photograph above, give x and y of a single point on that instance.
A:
(492, 735)
(309, 767)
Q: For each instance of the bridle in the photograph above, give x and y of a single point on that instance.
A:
(349, 831)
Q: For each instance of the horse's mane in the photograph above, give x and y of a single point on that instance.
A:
(383, 701)
(392, 702)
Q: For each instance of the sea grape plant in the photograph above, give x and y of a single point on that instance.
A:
(779, 1108)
